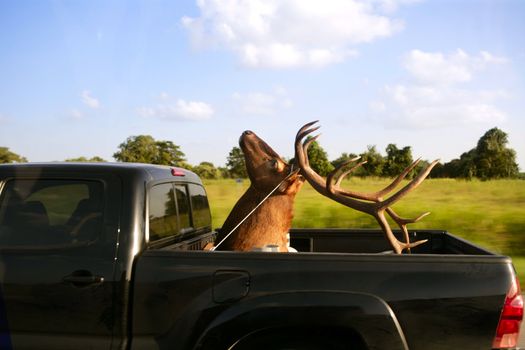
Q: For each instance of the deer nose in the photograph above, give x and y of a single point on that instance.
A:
(247, 133)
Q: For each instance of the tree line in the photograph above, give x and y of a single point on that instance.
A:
(490, 159)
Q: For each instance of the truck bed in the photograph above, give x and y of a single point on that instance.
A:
(372, 241)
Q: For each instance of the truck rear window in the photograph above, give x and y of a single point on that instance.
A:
(163, 221)
(176, 210)
(50, 212)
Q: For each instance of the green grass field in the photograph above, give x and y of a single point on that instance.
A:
(490, 213)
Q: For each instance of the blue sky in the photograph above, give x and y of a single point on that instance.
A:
(79, 77)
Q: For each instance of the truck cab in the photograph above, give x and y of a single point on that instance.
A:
(68, 236)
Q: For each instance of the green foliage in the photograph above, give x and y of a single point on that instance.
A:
(145, 149)
(396, 160)
(84, 159)
(207, 170)
(6, 156)
(236, 164)
(374, 162)
(519, 265)
(319, 159)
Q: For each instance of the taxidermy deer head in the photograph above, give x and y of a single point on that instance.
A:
(270, 222)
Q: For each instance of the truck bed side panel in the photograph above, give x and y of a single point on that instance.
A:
(431, 297)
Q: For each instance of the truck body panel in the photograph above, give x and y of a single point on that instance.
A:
(429, 295)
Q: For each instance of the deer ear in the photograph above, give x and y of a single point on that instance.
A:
(292, 185)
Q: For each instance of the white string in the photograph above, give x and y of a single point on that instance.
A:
(292, 172)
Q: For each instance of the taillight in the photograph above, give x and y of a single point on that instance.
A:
(510, 320)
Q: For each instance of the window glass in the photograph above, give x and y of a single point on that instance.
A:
(199, 204)
(184, 206)
(50, 212)
(162, 212)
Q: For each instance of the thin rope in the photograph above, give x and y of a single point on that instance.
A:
(292, 172)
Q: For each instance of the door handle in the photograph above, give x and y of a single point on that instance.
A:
(82, 278)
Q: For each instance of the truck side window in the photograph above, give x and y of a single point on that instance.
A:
(200, 207)
(162, 212)
(39, 213)
(184, 207)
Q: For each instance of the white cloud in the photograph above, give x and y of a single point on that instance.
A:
(439, 68)
(294, 33)
(178, 110)
(259, 103)
(89, 100)
(438, 96)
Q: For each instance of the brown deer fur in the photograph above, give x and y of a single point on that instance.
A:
(270, 223)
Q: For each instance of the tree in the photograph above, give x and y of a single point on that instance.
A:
(236, 164)
(319, 159)
(84, 159)
(396, 160)
(6, 156)
(145, 149)
(374, 162)
(492, 157)
(207, 170)
(169, 154)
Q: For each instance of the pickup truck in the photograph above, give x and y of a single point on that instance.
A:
(110, 256)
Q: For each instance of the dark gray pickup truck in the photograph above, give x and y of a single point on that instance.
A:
(109, 256)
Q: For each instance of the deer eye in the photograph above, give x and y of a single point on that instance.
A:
(274, 164)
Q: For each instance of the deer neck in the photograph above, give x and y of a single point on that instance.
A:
(269, 224)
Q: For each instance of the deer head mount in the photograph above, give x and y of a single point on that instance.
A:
(271, 221)
(371, 203)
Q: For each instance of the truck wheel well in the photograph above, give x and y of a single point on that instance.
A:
(301, 338)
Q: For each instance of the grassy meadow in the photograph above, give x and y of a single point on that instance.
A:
(489, 213)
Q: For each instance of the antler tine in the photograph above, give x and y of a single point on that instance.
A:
(301, 155)
(402, 223)
(300, 151)
(411, 185)
(344, 174)
(398, 179)
(378, 196)
(334, 178)
(348, 171)
(306, 130)
(308, 142)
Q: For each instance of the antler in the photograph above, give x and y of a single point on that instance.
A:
(370, 203)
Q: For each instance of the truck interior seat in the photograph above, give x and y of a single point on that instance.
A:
(85, 221)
